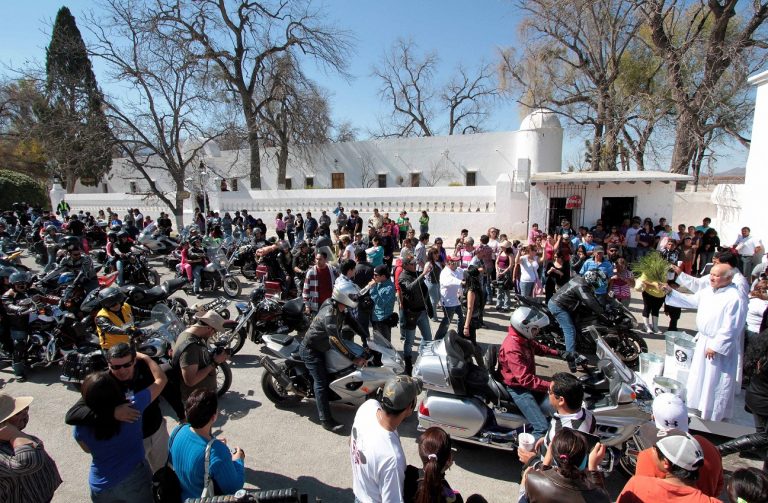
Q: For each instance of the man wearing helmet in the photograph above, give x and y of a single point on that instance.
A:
(325, 333)
(579, 291)
(76, 262)
(517, 364)
(114, 321)
(16, 303)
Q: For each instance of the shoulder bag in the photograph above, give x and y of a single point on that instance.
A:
(208, 489)
(166, 487)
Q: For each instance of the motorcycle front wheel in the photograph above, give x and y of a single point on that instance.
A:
(628, 346)
(223, 378)
(237, 341)
(179, 307)
(276, 393)
(248, 270)
(231, 286)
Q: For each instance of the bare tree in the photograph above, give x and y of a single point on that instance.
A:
(166, 102)
(570, 64)
(241, 37)
(708, 48)
(368, 176)
(417, 105)
(344, 132)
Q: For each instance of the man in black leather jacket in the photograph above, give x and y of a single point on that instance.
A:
(579, 291)
(324, 333)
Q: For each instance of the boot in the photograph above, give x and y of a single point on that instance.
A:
(408, 366)
(751, 442)
(655, 321)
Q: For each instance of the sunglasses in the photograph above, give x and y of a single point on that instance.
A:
(123, 366)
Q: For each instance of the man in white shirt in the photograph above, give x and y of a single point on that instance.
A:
(747, 246)
(378, 461)
(631, 241)
(451, 278)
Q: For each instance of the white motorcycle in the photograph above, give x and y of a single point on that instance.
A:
(157, 243)
(288, 379)
(474, 406)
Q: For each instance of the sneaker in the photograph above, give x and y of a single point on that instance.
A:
(21, 378)
(332, 425)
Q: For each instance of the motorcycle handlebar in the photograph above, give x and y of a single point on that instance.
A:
(243, 496)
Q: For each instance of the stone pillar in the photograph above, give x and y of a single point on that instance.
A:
(56, 194)
(753, 192)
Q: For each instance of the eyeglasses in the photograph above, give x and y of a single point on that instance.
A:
(123, 366)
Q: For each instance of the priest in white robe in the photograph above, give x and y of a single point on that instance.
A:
(720, 317)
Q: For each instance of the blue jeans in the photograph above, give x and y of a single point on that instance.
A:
(19, 338)
(315, 362)
(120, 272)
(449, 312)
(535, 409)
(563, 318)
(410, 334)
(503, 299)
(526, 288)
(299, 235)
(487, 288)
(197, 271)
(137, 486)
(434, 295)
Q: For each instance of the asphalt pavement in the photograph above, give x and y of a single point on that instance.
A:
(287, 447)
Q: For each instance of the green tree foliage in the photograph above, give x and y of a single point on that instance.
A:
(74, 127)
(16, 187)
(20, 147)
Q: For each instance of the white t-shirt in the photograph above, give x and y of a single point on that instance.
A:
(746, 245)
(378, 461)
(450, 286)
(755, 310)
(631, 237)
(528, 270)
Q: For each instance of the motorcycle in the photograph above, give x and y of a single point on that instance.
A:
(474, 406)
(162, 331)
(137, 271)
(52, 335)
(157, 243)
(616, 327)
(215, 275)
(262, 315)
(288, 379)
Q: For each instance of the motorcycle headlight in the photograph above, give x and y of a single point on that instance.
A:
(222, 262)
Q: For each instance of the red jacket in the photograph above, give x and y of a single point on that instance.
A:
(518, 365)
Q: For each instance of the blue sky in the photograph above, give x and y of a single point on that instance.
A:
(459, 31)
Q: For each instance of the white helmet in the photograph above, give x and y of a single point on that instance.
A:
(525, 318)
(347, 293)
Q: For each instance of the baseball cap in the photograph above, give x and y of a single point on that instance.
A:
(400, 391)
(669, 411)
(680, 448)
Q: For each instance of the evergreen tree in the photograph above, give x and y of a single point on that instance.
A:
(74, 131)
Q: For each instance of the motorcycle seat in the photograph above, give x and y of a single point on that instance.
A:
(174, 284)
(282, 339)
(294, 307)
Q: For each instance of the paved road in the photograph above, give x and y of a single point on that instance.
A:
(287, 447)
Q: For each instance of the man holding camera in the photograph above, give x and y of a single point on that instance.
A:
(192, 357)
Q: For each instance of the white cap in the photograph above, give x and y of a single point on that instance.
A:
(669, 411)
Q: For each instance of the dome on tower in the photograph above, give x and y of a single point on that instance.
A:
(540, 119)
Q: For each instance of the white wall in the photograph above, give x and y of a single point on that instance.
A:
(756, 181)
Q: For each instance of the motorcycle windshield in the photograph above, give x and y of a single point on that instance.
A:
(379, 343)
(611, 364)
(166, 322)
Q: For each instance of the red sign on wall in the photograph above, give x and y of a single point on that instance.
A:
(573, 202)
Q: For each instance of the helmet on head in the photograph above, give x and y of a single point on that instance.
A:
(122, 234)
(524, 319)
(596, 278)
(73, 247)
(284, 245)
(19, 277)
(111, 296)
(346, 293)
(50, 227)
(112, 235)
(6, 272)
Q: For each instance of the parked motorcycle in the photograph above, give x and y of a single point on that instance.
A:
(617, 327)
(265, 314)
(474, 406)
(162, 331)
(137, 271)
(157, 243)
(288, 379)
(215, 275)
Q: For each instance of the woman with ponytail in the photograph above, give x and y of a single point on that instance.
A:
(569, 472)
(428, 485)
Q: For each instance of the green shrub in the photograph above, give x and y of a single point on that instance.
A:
(16, 187)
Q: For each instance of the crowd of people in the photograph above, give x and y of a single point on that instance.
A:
(410, 280)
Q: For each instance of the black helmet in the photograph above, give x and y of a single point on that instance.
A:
(257, 295)
(112, 234)
(6, 272)
(19, 277)
(111, 296)
(71, 240)
(73, 247)
(123, 234)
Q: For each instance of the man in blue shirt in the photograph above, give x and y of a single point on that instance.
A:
(598, 262)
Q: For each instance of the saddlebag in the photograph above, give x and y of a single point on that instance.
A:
(81, 362)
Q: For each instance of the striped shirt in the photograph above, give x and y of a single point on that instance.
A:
(28, 475)
(582, 421)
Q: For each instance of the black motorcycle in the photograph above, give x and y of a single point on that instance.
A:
(616, 326)
(137, 271)
(264, 314)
